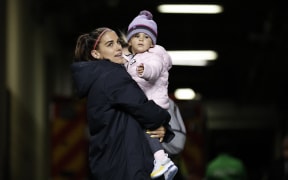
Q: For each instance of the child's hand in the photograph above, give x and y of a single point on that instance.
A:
(140, 69)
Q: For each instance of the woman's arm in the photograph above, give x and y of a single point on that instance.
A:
(124, 94)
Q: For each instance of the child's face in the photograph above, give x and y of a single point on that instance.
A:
(140, 43)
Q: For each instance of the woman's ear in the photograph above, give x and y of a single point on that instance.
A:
(95, 54)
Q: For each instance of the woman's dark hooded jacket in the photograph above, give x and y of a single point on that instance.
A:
(118, 112)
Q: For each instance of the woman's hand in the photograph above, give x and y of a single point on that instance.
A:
(157, 133)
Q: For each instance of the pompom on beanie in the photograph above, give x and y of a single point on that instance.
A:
(143, 23)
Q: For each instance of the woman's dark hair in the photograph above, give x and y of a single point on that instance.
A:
(85, 44)
(123, 39)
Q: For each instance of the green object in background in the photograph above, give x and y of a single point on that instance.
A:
(225, 167)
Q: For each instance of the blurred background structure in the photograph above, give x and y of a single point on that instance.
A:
(242, 95)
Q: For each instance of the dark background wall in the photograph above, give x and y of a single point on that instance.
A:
(244, 90)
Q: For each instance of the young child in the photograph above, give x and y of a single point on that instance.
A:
(148, 64)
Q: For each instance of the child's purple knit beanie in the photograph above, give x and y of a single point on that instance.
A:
(143, 23)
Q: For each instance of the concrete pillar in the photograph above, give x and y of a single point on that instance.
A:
(26, 85)
(3, 99)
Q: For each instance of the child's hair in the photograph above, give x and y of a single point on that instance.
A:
(88, 42)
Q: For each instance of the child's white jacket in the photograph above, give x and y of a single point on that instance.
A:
(154, 80)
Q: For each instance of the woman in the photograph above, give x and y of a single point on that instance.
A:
(117, 110)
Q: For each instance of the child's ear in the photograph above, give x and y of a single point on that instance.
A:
(95, 54)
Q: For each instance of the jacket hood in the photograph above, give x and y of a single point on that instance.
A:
(83, 74)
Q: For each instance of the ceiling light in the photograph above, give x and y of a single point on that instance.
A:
(190, 8)
(192, 58)
(184, 94)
